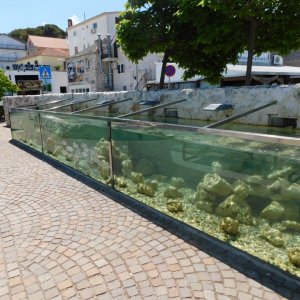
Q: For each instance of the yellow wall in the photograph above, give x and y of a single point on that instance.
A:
(44, 60)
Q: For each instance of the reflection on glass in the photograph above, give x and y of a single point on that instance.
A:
(246, 193)
(25, 127)
(78, 142)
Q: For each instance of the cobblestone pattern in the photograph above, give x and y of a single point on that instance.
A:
(60, 239)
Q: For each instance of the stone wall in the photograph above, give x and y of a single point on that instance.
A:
(243, 98)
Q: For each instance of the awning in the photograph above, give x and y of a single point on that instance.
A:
(240, 70)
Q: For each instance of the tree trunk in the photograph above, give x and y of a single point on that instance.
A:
(163, 69)
(251, 47)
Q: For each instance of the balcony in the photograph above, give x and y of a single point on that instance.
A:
(8, 59)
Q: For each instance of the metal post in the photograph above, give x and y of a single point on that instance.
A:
(110, 75)
(42, 143)
(151, 108)
(235, 117)
(136, 75)
(100, 53)
(110, 153)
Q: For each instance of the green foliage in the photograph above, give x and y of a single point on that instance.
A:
(221, 29)
(48, 30)
(146, 27)
(6, 85)
(203, 36)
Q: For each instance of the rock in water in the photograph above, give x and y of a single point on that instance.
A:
(294, 256)
(273, 236)
(213, 183)
(145, 189)
(172, 192)
(273, 212)
(174, 206)
(230, 226)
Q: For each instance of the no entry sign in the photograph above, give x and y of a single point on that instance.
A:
(170, 70)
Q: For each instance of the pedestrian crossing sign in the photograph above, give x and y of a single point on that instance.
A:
(45, 72)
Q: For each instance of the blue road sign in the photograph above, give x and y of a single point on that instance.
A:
(45, 72)
(170, 70)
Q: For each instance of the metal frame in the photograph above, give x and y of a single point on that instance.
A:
(53, 102)
(101, 105)
(151, 108)
(232, 118)
(70, 104)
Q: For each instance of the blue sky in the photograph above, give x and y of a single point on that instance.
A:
(33, 13)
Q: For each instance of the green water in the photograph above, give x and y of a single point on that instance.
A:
(287, 131)
(200, 179)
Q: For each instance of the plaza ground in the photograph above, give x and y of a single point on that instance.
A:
(60, 239)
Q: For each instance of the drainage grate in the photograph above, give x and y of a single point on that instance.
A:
(282, 122)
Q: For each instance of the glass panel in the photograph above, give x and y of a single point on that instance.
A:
(246, 193)
(25, 128)
(54, 103)
(79, 142)
(74, 106)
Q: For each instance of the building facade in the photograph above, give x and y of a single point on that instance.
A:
(43, 69)
(10, 51)
(97, 63)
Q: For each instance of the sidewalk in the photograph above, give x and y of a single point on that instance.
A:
(60, 239)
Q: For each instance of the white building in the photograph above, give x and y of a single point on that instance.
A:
(30, 82)
(83, 35)
(10, 51)
(87, 73)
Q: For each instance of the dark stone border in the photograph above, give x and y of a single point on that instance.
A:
(253, 267)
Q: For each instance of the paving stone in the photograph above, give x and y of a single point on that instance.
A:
(60, 239)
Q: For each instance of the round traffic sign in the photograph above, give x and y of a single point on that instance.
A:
(170, 70)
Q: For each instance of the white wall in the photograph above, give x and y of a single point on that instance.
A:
(86, 36)
(128, 78)
(60, 79)
(242, 98)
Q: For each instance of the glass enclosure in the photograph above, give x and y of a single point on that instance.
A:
(241, 188)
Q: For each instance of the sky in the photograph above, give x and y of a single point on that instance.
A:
(32, 13)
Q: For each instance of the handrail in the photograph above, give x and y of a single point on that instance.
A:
(201, 130)
(53, 102)
(151, 108)
(101, 105)
(219, 123)
(70, 104)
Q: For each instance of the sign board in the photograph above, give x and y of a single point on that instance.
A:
(170, 70)
(45, 72)
(263, 59)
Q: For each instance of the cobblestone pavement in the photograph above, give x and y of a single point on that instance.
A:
(60, 239)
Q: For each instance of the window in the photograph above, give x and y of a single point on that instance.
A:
(94, 25)
(121, 68)
(75, 33)
(76, 50)
(36, 62)
(8, 68)
(117, 20)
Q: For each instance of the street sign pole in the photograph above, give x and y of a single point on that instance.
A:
(170, 71)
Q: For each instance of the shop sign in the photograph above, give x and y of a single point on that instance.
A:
(25, 67)
(263, 59)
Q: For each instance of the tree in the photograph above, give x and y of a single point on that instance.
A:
(253, 25)
(48, 30)
(6, 85)
(147, 27)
